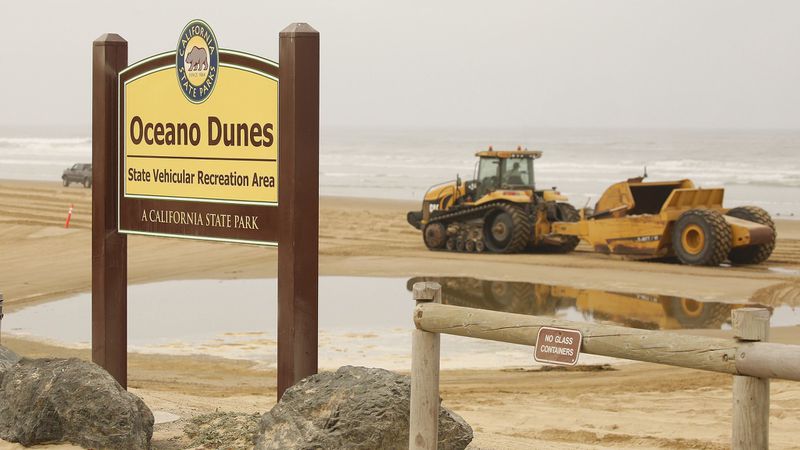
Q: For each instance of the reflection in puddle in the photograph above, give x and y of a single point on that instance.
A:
(363, 320)
(652, 312)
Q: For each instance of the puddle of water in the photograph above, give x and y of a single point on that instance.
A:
(238, 319)
(784, 271)
(646, 311)
(368, 326)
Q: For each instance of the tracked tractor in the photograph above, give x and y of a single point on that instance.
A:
(500, 210)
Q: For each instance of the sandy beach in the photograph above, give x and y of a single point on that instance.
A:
(628, 405)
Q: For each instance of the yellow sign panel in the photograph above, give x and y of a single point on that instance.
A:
(224, 149)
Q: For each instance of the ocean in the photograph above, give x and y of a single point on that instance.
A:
(755, 167)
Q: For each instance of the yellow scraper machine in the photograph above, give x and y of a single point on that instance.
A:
(501, 211)
(674, 218)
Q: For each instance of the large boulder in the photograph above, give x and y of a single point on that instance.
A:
(355, 408)
(7, 360)
(57, 400)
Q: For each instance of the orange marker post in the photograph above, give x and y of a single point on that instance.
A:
(69, 216)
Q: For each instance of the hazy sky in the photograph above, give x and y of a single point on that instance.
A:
(620, 63)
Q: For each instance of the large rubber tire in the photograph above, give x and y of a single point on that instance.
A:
(507, 229)
(753, 254)
(701, 237)
(65, 181)
(566, 213)
(434, 235)
(86, 183)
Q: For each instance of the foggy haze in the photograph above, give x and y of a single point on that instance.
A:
(621, 63)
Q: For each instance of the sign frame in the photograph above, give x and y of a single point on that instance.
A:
(130, 205)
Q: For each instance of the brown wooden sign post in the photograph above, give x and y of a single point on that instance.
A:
(171, 159)
(109, 248)
(298, 247)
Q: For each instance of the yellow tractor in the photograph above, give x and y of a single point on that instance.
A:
(499, 210)
(641, 220)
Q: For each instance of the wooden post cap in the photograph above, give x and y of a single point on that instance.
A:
(750, 324)
(427, 291)
(299, 29)
(110, 39)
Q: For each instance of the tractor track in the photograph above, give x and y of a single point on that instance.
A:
(465, 213)
(465, 242)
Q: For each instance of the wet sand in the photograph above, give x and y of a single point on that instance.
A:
(638, 405)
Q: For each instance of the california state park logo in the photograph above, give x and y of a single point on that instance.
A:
(197, 61)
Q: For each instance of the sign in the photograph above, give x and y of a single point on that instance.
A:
(198, 143)
(558, 346)
(186, 144)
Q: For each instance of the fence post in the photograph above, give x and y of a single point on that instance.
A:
(750, 394)
(424, 421)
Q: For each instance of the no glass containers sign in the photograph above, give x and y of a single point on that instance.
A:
(558, 346)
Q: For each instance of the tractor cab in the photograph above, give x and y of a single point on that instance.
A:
(508, 170)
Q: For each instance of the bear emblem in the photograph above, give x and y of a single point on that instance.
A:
(197, 58)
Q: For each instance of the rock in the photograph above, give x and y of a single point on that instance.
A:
(7, 359)
(355, 408)
(56, 400)
(228, 430)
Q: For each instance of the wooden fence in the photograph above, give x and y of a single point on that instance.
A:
(751, 361)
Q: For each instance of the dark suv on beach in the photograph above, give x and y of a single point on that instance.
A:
(78, 173)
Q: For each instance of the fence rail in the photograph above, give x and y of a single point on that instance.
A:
(751, 361)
